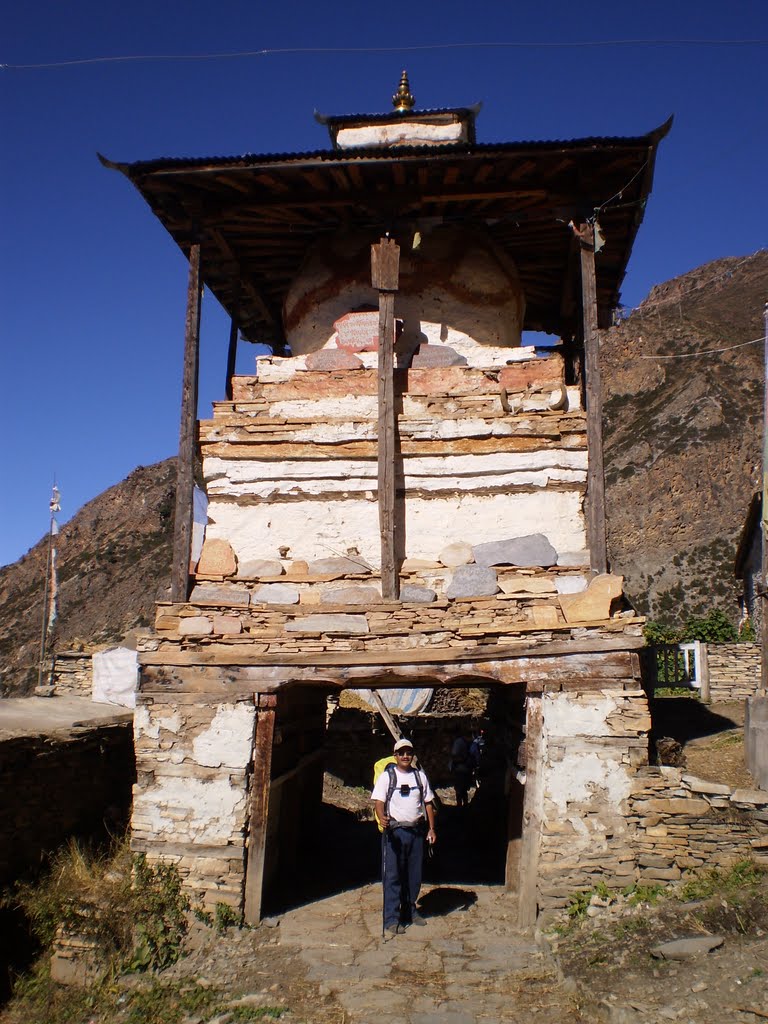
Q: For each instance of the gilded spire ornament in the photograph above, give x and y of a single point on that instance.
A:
(403, 99)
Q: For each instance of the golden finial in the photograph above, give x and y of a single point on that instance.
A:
(403, 99)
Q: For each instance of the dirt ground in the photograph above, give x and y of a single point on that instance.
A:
(319, 957)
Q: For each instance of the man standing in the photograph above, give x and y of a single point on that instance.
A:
(403, 800)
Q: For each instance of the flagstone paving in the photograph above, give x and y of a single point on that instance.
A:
(468, 965)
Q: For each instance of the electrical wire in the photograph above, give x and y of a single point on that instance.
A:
(705, 352)
(284, 51)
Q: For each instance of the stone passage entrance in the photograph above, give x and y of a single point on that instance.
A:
(228, 779)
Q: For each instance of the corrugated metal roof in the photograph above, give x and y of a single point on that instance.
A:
(387, 152)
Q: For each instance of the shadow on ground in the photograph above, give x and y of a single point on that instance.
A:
(686, 719)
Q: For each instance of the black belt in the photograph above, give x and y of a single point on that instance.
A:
(414, 826)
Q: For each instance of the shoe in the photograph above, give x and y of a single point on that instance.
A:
(392, 929)
(417, 919)
(401, 929)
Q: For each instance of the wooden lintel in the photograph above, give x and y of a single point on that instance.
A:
(185, 466)
(223, 656)
(257, 831)
(594, 402)
(610, 670)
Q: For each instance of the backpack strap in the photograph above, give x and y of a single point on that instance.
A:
(390, 770)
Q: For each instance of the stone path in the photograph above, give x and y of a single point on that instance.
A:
(468, 965)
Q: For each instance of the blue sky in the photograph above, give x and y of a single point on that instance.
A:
(93, 290)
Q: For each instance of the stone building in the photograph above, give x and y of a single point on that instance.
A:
(405, 492)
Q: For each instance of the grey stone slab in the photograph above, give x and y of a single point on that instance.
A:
(260, 567)
(685, 949)
(334, 972)
(436, 355)
(357, 624)
(473, 581)
(410, 593)
(533, 550)
(333, 359)
(275, 593)
(351, 595)
(573, 558)
(225, 597)
(340, 564)
(453, 946)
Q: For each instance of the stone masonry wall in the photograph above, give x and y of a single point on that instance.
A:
(57, 786)
(73, 673)
(593, 744)
(191, 796)
(610, 817)
(734, 671)
(682, 823)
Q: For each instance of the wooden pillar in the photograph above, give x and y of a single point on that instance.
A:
(185, 466)
(533, 800)
(594, 401)
(385, 264)
(232, 350)
(260, 789)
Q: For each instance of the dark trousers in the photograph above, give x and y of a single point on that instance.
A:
(402, 856)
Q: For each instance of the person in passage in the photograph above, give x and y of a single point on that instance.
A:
(407, 816)
(461, 768)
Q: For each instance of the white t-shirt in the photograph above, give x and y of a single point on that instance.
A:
(403, 808)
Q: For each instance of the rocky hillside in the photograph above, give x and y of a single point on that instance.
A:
(683, 435)
(682, 445)
(114, 557)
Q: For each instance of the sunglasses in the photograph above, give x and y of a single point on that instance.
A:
(404, 753)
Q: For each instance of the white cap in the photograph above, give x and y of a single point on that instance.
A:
(403, 745)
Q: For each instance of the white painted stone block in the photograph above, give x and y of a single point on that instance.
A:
(317, 529)
(228, 740)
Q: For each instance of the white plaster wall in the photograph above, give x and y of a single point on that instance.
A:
(582, 781)
(264, 479)
(410, 133)
(317, 529)
(192, 810)
(228, 740)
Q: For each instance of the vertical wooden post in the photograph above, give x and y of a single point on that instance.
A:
(185, 466)
(385, 265)
(533, 799)
(259, 818)
(232, 350)
(595, 473)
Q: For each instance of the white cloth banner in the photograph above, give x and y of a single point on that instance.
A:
(115, 677)
(199, 522)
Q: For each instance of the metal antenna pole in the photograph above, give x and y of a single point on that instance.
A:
(44, 627)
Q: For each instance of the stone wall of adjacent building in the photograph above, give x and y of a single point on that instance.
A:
(734, 670)
(62, 785)
(682, 823)
(72, 673)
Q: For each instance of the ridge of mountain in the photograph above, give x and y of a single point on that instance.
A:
(682, 437)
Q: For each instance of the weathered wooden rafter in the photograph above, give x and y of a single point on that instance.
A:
(269, 209)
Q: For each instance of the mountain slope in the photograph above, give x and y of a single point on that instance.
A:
(113, 557)
(683, 435)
